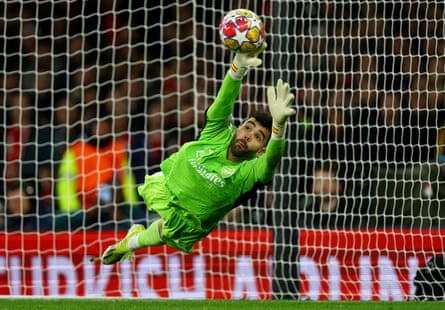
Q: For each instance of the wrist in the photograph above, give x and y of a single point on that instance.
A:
(278, 130)
(237, 72)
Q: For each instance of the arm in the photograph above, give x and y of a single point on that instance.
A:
(222, 107)
(279, 100)
(268, 162)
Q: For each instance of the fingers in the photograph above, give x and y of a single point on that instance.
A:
(271, 97)
(254, 62)
(290, 98)
(245, 60)
(283, 92)
(290, 112)
(250, 59)
(282, 87)
(259, 50)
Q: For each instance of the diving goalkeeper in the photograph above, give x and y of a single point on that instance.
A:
(198, 185)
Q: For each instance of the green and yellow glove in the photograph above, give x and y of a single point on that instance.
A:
(279, 102)
(242, 61)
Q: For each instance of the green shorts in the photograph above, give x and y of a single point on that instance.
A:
(180, 229)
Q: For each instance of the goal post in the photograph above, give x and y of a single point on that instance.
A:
(95, 94)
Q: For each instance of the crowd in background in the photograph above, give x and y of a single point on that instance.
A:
(371, 86)
(127, 84)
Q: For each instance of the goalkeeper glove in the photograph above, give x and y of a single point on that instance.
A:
(242, 61)
(279, 103)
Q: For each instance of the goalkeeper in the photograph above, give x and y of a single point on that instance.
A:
(199, 185)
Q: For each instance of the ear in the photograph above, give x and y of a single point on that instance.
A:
(261, 151)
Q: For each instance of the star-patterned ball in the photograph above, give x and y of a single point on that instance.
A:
(242, 31)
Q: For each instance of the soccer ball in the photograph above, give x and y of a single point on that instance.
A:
(242, 31)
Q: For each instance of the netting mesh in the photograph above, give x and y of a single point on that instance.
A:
(95, 94)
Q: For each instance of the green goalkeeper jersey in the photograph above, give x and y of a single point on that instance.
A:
(201, 179)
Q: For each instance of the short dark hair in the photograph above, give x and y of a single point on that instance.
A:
(263, 117)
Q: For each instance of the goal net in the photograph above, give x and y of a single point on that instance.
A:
(95, 94)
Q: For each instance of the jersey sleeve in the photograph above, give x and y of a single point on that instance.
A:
(218, 115)
(268, 162)
(222, 107)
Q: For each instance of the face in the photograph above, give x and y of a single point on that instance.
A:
(102, 131)
(325, 183)
(249, 140)
(326, 188)
(17, 202)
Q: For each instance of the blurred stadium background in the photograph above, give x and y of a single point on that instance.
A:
(358, 205)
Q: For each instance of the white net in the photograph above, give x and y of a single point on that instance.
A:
(96, 93)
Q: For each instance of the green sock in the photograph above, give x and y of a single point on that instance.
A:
(150, 236)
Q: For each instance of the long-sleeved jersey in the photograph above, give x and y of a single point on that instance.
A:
(201, 179)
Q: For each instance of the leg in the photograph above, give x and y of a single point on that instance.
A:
(136, 238)
(149, 237)
(120, 251)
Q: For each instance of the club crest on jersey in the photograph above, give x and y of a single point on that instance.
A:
(227, 171)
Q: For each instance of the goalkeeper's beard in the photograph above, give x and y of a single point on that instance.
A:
(239, 149)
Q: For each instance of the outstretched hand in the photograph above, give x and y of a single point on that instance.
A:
(279, 101)
(242, 61)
